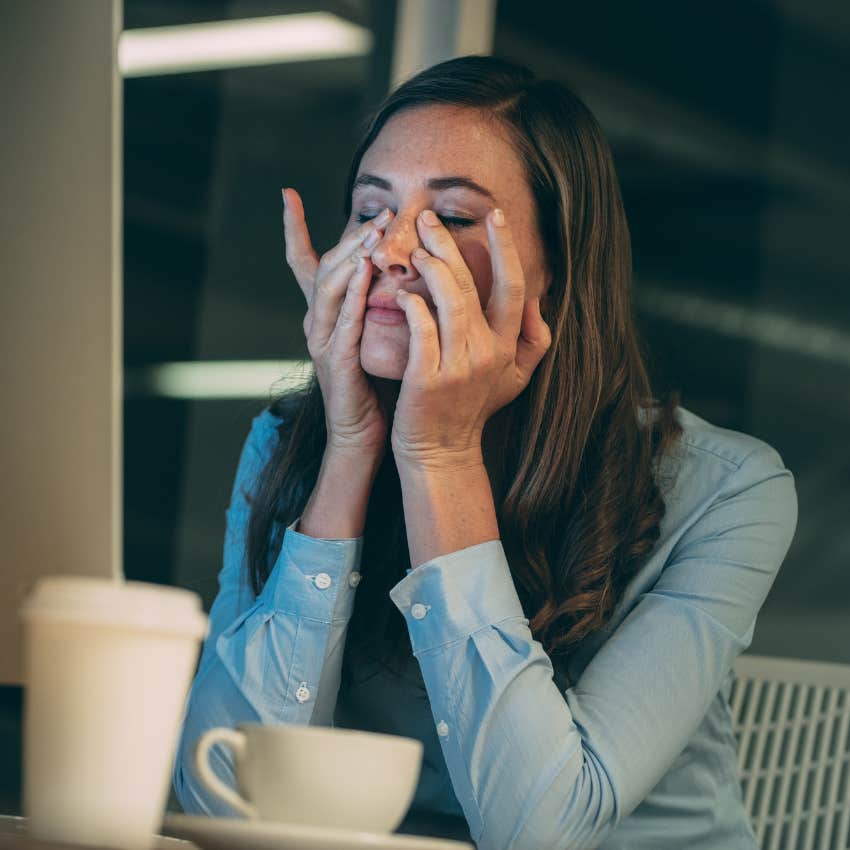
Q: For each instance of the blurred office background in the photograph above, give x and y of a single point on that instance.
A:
(732, 143)
(733, 151)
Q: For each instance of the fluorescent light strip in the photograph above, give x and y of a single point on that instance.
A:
(810, 339)
(240, 43)
(222, 379)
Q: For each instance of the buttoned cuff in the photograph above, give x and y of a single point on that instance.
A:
(314, 577)
(451, 596)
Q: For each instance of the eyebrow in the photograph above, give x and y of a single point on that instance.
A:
(435, 183)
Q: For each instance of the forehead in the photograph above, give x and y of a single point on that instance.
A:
(436, 140)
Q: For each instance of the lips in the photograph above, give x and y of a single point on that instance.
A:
(383, 300)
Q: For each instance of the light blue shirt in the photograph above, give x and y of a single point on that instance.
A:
(638, 753)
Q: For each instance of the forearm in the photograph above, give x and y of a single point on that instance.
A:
(337, 506)
(447, 508)
(279, 660)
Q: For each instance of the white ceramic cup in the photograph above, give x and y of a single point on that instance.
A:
(316, 775)
(108, 666)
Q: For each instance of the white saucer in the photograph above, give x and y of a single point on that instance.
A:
(240, 834)
(14, 832)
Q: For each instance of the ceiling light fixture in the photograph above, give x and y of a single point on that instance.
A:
(217, 379)
(240, 43)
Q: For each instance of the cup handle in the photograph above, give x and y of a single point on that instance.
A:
(236, 740)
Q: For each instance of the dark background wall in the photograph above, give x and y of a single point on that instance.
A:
(732, 148)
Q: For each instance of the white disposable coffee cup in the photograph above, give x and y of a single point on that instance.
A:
(315, 775)
(108, 666)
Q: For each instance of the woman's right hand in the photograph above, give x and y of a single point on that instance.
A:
(336, 286)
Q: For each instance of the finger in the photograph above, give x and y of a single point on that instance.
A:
(300, 255)
(349, 327)
(330, 290)
(423, 358)
(350, 241)
(441, 244)
(504, 309)
(452, 315)
(534, 341)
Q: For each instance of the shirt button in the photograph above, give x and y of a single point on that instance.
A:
(442, 729)
(303, 693)
(418, 611)
(354, 579)
(323, 580)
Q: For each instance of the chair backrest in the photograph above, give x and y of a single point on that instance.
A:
(791, 718)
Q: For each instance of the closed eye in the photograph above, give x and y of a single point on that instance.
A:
(449, 221)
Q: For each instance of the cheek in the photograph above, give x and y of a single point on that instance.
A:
(477, 259)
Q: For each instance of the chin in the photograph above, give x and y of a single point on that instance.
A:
(383, 358)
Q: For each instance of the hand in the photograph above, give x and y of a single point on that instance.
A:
(336, 287)
(461, 373)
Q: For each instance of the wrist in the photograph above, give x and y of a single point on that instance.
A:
(338, 504)
(440, 464)
(357, 461)
(447, 506)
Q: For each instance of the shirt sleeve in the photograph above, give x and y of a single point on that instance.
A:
(276, 658)
(532, 767)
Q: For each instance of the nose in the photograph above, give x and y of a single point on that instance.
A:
(392, 254)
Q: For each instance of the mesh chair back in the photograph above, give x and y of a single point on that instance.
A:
(791, 719)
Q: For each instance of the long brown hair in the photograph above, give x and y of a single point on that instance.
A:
(577, 500)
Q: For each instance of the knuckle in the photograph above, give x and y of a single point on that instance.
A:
(487, 359)
(456, 377)
(457, 309)
(320, 290)
(461, 276)
(516, 289)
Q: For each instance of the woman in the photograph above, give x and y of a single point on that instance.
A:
(558, 570)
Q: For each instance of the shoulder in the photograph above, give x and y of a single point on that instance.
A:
(710, 465)
(712, 445)
(259, 443)
(727, 495)
(707, 460)
(263, 433)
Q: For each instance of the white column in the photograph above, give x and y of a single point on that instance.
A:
(61, 348)
(431, 31)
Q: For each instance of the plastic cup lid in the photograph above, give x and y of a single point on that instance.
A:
(134, 605)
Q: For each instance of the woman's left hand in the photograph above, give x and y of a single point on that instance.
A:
(476, 362)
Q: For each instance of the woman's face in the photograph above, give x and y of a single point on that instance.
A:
(415, 147)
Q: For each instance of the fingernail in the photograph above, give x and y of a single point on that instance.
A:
(283, 195)
(383, 218)
(372, 239)
(498, 217)
(429, 218)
